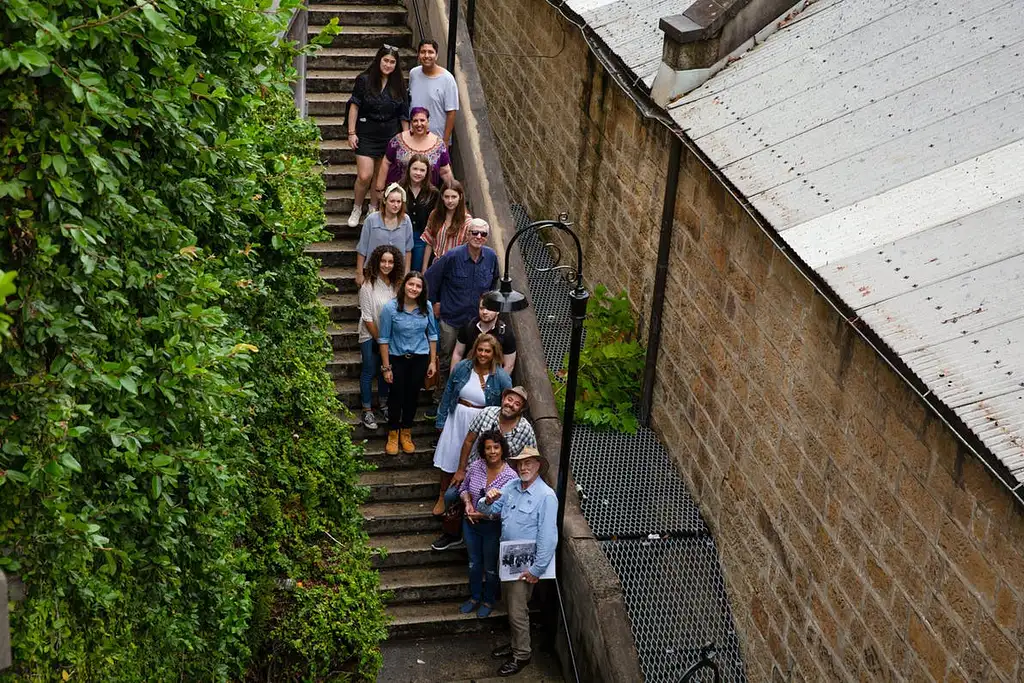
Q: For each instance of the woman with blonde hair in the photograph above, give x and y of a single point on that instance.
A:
(474, 383)
(448, 222)
(390, 225)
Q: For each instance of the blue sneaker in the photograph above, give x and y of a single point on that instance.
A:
(469, 606)
(484, 611)
(431, 413)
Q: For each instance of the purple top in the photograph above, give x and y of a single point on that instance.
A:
(398, 154)
(476, 479)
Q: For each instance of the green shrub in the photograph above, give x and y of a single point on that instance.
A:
(169, 445)
(611, 365)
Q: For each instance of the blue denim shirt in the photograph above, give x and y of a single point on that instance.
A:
(528, 515)
(498, 382)
(456, 281)
(406, 332)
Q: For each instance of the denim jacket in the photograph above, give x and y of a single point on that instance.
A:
(461, 373)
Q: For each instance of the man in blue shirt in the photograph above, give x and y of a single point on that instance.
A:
(454, 283)
(529, 511)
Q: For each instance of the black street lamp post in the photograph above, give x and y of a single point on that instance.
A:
(507, 300)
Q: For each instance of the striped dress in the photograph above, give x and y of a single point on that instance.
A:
(447, 238)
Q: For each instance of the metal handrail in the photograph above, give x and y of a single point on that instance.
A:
(706, 661)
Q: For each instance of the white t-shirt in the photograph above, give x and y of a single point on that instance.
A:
(437, 94)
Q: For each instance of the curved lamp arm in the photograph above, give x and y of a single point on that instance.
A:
(559, 224)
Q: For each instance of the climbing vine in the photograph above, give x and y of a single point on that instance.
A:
(170, 448)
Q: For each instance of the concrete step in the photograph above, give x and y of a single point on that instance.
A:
(343, 337)
(330, 80)
(334, 254)
(328, 104)
(338, 201)
(367, 36)
(339, 176)
(337, 223)
(442, 618)
(341, 307)
(420, 584)
(332, 127)
(341, 278)
(423, 433)
(360, 14)
(399, 517)
(409, 550)
(345, 364)
(334, 151)
(410, 484)
(354, 58)
(347, 390)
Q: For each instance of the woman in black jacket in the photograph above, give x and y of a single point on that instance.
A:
(377, 110)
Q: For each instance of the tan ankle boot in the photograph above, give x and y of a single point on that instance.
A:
(392, 447)
(405, 436)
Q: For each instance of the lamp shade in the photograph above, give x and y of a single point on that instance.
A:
(505, 301)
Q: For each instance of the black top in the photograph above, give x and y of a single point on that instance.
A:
(378, 106)
(419, 208)
(502, 331)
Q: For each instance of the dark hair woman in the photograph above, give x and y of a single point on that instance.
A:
(417, 140)
(377, 109)
(384, 270)
(421, 196)
(475, 383)
(482, 533)
(408, 351)
(447, 223)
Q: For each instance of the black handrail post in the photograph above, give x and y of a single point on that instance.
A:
(471, 18)
(668, 210)
(453, 32)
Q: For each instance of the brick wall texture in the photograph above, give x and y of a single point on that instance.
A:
(857, 540)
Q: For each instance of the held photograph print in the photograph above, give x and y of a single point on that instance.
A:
(515, 557)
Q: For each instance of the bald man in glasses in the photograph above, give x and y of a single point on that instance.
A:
(455, 283)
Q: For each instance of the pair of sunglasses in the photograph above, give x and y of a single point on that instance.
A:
(391, 48)
(478, 233)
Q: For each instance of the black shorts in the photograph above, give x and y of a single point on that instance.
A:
(374, 136)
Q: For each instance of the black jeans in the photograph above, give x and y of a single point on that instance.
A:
(407, 374)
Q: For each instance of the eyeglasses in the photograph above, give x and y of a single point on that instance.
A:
(391, 48)
(478, 233)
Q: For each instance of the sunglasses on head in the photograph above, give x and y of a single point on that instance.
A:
(391, 48)
(478, 233)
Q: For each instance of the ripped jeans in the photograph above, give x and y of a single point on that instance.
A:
(482, 540)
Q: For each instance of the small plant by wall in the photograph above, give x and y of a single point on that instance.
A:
(611, 365)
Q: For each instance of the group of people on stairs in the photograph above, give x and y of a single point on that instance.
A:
(423, 266)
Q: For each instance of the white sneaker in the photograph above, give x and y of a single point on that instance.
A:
(353, 218)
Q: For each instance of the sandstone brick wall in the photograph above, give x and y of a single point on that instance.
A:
(858, 541)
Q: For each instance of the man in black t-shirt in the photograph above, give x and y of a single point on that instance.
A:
(486, 322)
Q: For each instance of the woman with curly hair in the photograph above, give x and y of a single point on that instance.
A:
(383, 271)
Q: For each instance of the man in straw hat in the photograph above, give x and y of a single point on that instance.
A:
(529, 510)
(508, 419)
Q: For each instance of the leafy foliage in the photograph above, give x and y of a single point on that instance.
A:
(611, 365)
(170, 449)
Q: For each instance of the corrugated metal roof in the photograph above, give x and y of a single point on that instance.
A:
(630, 29)
(884, 140)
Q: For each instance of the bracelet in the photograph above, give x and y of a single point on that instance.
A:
(385, 368)
(351, 133)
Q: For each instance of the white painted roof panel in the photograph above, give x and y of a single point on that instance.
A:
(884, 140)
(630, 29)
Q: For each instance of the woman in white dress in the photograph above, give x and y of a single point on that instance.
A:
(474, 384)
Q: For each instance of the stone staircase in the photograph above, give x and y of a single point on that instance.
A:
(426, 586)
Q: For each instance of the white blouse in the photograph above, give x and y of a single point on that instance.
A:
(371, 300)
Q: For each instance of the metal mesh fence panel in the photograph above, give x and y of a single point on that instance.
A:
(630, 491)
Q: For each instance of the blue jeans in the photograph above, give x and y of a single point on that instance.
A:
(482, 542)
(418, 247)
(371, 368)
